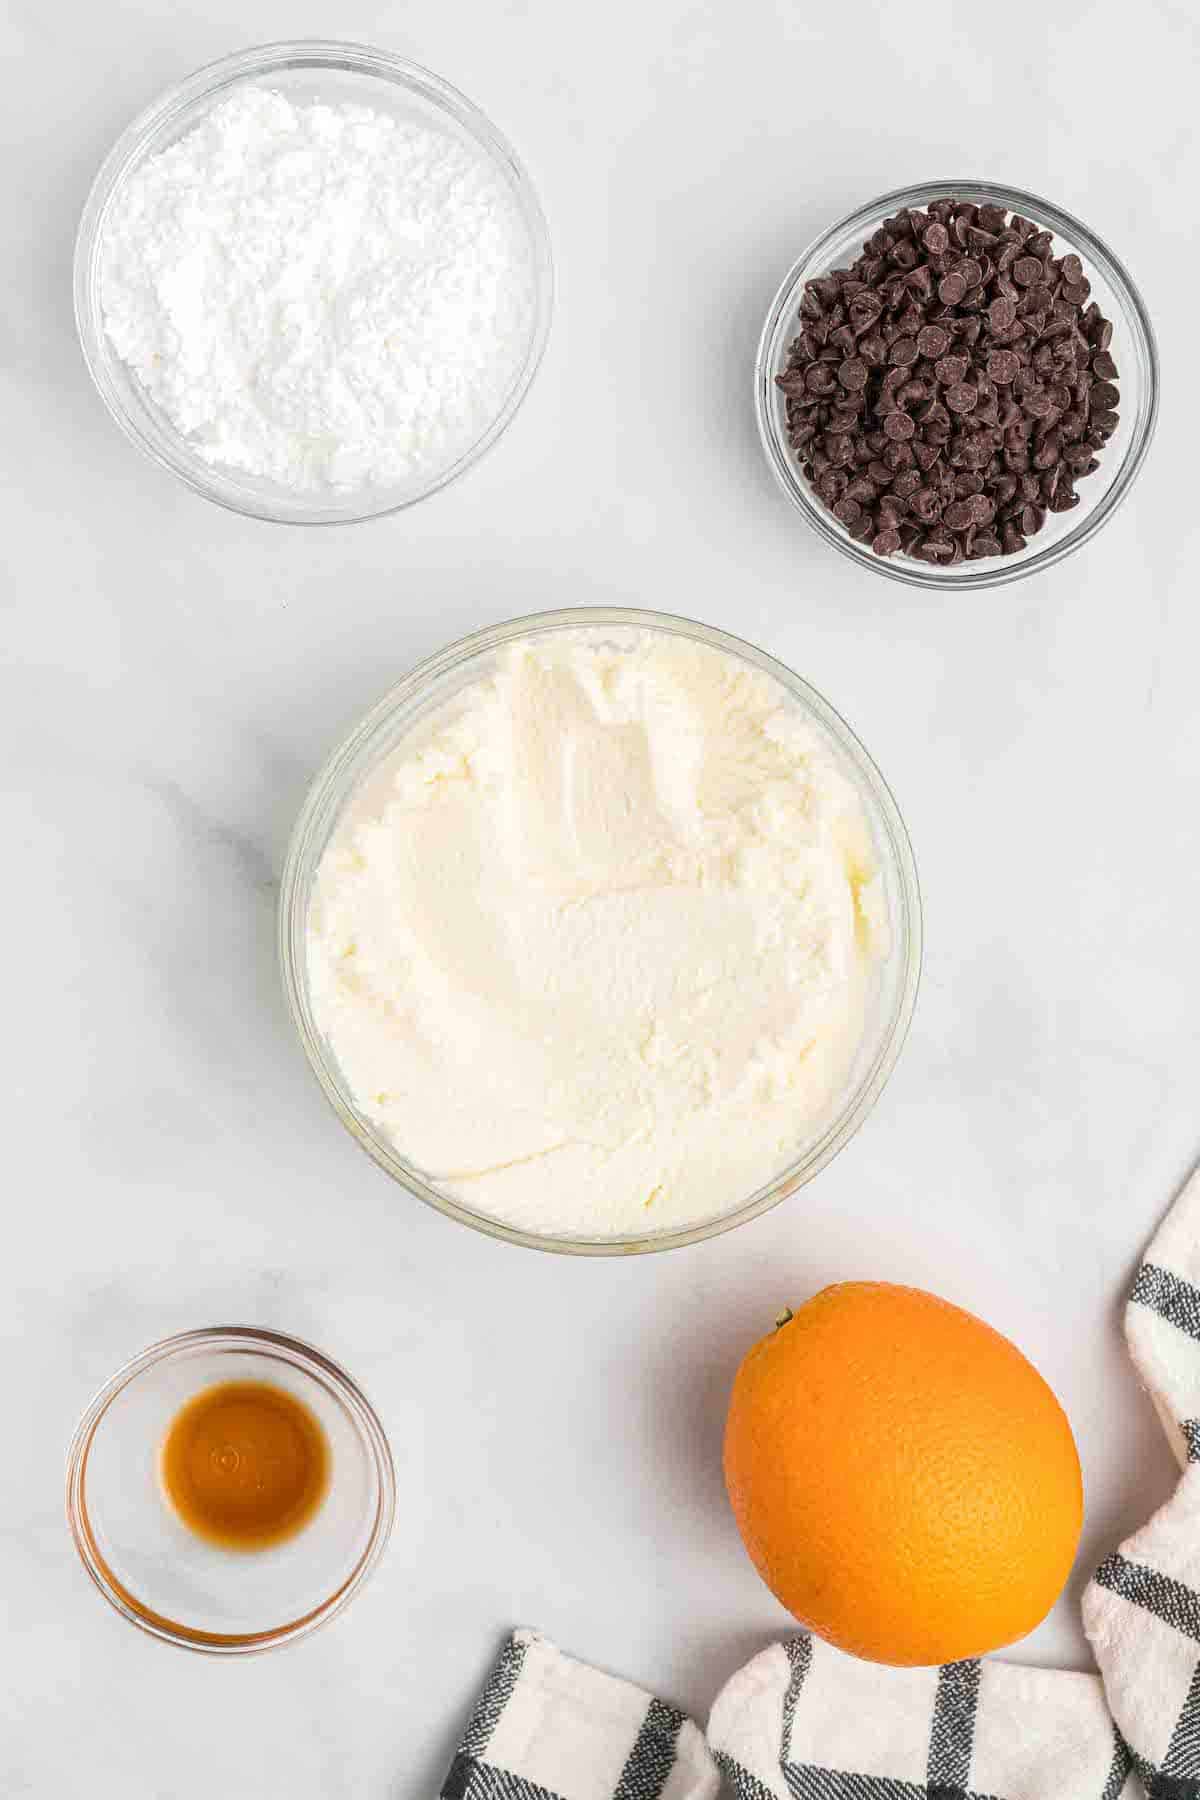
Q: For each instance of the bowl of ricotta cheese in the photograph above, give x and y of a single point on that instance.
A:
(601, 932)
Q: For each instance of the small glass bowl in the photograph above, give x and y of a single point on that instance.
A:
(305, 70)
(1133, 349)
(360, 758)
(172, 1584)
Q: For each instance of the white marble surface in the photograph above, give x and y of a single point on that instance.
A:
(172, 675)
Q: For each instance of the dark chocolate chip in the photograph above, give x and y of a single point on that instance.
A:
(933, 341)
(1002, 366)
(951, 369)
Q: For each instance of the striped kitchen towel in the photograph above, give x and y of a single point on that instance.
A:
(1142, 1609)
(805, 1722)
(547, 1727)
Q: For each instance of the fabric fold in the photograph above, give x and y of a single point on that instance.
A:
(805, 1722)
(546, 1727)
(1141, 1611)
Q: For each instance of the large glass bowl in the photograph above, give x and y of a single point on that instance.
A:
(305, 70)
(1133, 348)
(171, 1583)
(430, 686)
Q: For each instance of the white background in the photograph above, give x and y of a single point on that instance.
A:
(173, 675)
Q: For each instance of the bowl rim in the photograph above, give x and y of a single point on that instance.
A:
(224, 1338)
(350, 759)
(170, 450)
(992, 571)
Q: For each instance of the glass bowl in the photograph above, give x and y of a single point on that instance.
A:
(1133, 348)
(171, 1583)
(359, 759)
(304, 70)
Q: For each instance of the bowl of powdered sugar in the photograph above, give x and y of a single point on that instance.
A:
(314, 282)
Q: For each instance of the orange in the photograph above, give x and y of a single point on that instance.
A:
(905, 1481)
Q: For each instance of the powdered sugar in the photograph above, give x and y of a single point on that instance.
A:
(319, 294)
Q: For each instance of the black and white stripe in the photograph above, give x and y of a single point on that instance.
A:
(1183, 1752)
(745, 1785)
(1169, 1296)
(808, 1781)
(1118, 1769)
(470, 1779)
(952, 1731)
(496, 1694)
(799, 1654)
(653, 1755)
(1169, 1600)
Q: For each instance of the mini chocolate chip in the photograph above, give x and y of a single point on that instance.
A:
(853, 374)
(1026, 271)
(1104, 394)
(961, 398)
(951, 369)
(1002, 366)
(903, 352)
(936, 239)
(898, 425)
(1001, 314)
(951, 289)
(933, 341)
(1103, 366)
(848, 511)
(886, 543)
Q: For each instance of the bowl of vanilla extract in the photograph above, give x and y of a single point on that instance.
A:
(230, 1489)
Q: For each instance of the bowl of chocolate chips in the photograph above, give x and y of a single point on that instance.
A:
(957, 384)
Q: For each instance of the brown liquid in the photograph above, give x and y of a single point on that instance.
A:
(245, 1465)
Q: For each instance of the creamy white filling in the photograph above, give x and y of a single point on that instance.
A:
(595, 949)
